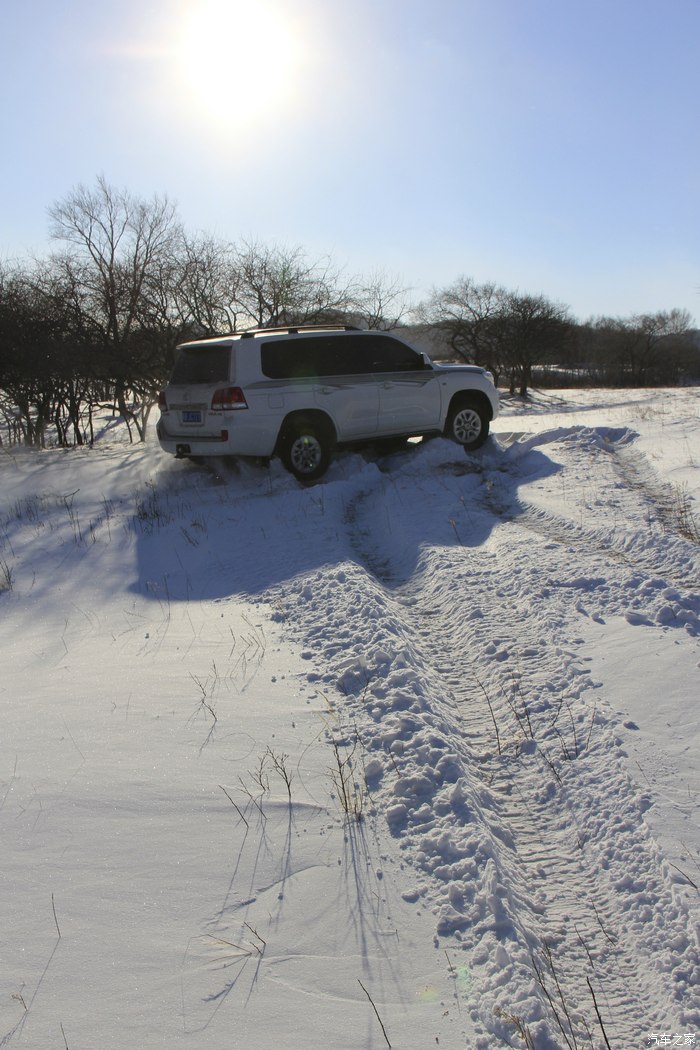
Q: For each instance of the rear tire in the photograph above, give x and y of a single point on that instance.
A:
(467, 425)
(305, 451)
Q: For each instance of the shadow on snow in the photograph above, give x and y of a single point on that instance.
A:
(240, 529)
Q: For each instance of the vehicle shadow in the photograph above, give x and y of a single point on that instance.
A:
(207, 534)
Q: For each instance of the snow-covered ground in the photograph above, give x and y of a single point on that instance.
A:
(406, 758)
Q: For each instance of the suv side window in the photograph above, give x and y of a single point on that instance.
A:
(312, 357)
(290, 358)
(339, 355)
(391, 355)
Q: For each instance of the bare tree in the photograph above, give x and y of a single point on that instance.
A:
(503, 330)
(379, 301)
(280, 286)
(536, 331)
(663, 335)
(204, 285)
(115, 243)
(45, 360)
(644, 348)
(473, 319)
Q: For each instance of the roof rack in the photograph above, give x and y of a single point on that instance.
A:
(297, 328)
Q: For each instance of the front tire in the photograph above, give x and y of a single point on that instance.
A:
(468, 425)
(305, 451)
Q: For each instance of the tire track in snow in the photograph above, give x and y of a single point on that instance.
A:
(559, 898)
(604, 523)
(507, 830)
(649, 576)
(551, 898)
(670, 502)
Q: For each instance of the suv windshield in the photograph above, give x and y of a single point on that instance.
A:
(202, 364)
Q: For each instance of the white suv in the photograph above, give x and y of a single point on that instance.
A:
(300, 392)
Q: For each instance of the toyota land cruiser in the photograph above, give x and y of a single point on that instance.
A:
(298, 393)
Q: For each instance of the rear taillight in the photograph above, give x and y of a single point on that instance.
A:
(227, 398)
(162, 403)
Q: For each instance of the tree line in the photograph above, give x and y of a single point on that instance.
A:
(528, 338)
(94, 326)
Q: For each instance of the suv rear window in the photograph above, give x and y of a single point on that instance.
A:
(208, 364)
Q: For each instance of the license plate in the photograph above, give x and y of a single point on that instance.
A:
(191, 417)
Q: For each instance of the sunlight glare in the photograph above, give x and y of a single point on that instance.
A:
(240, 63)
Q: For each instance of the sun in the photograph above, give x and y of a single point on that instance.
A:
(239, 63)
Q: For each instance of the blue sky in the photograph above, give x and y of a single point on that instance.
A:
(549, 145)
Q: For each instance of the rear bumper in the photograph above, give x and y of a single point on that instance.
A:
(233, 439)
(190, 444)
